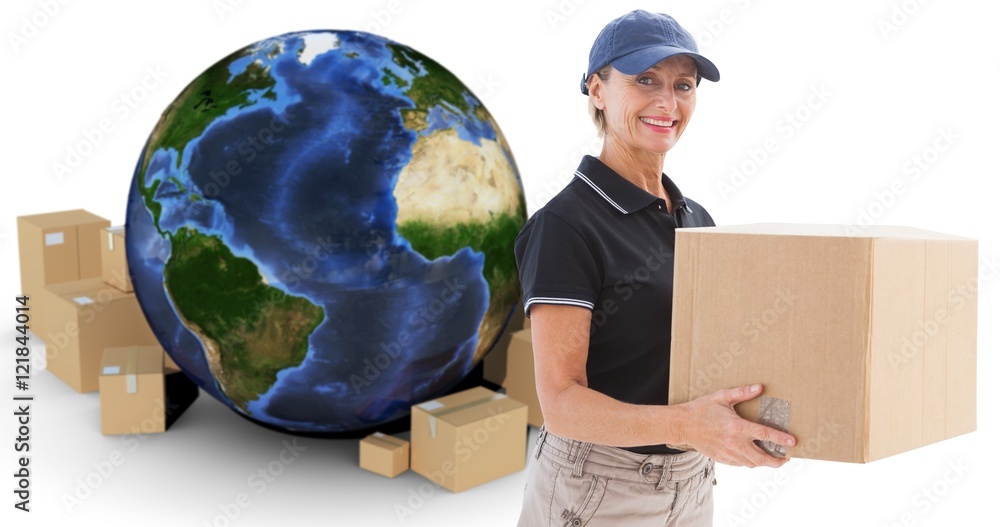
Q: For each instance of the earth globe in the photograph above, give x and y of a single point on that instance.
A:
(320, 231)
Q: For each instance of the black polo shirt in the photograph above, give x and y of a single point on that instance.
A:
(604, 244)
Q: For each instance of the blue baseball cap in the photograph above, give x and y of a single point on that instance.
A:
(637, 41)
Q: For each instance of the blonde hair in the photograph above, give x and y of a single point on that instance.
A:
(596, 114)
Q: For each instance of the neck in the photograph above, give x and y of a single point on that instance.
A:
(642, 169)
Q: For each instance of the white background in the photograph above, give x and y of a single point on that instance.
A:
(901, 79)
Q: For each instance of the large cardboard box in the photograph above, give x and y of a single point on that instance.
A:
(468, 438)
(138, 394)
(114, 268)
(520, 380)
(84, 318)
(58, 247)
(384, 454)
(865, 345)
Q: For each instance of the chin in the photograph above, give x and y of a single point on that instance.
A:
(660, 148)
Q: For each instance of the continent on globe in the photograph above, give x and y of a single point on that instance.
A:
(492, 215)
(210, 96)
(321, 229)
(251, 331)
(477, 177)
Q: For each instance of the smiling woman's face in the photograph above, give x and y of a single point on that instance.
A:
(649, 111)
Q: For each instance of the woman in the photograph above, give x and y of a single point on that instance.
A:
(596, 265)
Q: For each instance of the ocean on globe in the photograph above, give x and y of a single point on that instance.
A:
(320, 231)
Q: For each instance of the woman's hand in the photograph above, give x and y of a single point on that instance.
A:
(712, 427)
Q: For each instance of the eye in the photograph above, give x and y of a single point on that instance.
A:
(684, 86)
(645, 80)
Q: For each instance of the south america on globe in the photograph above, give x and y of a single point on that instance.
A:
(320, 231)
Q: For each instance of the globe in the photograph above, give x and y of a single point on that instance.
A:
(320, 231)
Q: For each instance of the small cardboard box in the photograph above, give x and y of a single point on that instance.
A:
(58, 247)
(114, 268)
(865, 344)
(139, 395)
(468, 438)
(384, 454)
(520, 381)
(85, 317)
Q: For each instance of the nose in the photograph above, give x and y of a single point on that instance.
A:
(666, 99)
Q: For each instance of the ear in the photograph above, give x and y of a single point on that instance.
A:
(595, 88)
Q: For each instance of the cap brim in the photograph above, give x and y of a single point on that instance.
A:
(641, 60)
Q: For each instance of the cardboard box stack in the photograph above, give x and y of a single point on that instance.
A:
(865, 345)
(468, 438)
(139, 394)
(114, 267)
(384, 454)
(91, 316)
(73, 310)
(56, 248)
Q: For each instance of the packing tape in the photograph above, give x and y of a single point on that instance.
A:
(386, 440)
(434, 415)
(130, 374)
(776, 414)
(112, 231)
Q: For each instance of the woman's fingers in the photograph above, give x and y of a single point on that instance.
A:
(719, 433)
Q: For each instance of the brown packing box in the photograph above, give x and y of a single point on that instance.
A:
(138, 394)
(85, 317)
(520, 381)
(114, 268)
(58, 247)
(495, 362)
(384, 454)
(865, 345)
(468, 438)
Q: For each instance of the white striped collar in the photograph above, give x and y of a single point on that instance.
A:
(620, 193)
(587, 180)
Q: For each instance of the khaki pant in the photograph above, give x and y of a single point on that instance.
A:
(571, 484)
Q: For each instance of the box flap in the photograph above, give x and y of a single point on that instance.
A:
(67, 218)
(93, 289)
(467, 406)
(385, 441)
(430, 406)
(477, 410)
(75, 287)
(147, 359)
(456, 398)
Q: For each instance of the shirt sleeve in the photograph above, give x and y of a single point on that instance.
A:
(555, 263)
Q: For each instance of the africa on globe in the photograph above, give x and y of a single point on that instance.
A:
(320, 231)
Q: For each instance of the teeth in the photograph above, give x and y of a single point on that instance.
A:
(656, 122)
